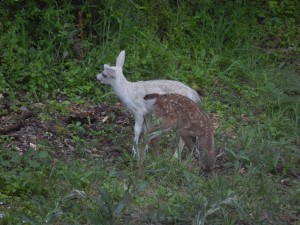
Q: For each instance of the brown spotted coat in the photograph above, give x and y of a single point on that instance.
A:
(192, 124)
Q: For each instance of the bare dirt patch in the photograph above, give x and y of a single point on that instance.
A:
(62, 128)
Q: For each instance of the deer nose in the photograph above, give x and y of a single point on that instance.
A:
(98, 76)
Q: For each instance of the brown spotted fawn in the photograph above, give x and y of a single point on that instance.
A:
(182, 115)
(131, 94)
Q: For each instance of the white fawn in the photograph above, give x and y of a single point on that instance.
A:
(131, 94)
(182, 115)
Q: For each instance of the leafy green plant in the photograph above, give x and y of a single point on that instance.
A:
(77, 127)
(114, 212)
(237, 160)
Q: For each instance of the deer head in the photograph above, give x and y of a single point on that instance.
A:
(111, 74)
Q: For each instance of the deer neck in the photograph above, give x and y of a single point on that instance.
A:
(121, 88)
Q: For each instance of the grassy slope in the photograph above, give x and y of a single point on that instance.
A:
(241, 57)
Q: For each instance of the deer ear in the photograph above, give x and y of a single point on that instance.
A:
(120, 59)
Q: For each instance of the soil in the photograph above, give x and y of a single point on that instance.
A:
(65, 126)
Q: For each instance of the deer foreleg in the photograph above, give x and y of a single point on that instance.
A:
(139, 120)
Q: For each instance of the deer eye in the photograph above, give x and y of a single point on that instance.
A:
(104, 75)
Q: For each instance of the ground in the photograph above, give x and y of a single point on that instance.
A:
(28, 124)
(60, 129)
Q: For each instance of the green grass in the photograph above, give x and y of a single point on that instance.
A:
(92, 191)
(241, 56)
